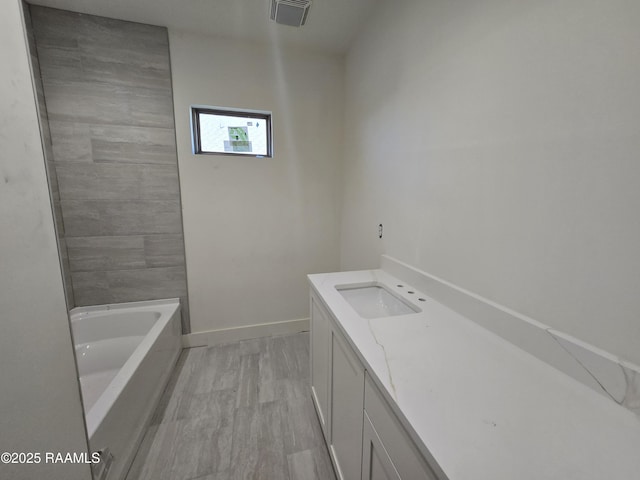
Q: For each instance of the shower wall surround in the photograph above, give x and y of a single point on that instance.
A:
(52, 178)
(108, 93)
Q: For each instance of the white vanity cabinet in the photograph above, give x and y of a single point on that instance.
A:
(337, 385)
(386, 384)
(366, 440)
(346, 393)
(320, 362)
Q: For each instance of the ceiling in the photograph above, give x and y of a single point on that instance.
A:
(331, 25)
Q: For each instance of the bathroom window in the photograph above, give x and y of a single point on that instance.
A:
(228, 131)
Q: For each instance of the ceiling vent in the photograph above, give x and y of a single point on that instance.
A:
(290, 12)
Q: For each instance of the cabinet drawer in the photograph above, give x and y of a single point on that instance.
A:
(404, 455)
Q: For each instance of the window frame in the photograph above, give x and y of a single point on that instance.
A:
(196, 110)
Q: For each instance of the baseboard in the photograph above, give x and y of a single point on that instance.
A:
(246, 332)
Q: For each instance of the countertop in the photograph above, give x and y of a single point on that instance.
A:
(480, 406)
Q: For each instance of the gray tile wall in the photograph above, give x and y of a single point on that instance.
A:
(107, 85)
(49, 163)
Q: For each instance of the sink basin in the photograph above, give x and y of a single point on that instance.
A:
(374, 301)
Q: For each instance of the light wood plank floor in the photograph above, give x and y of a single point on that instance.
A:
(237, 411)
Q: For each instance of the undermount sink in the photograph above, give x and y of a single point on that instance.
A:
(374, 301)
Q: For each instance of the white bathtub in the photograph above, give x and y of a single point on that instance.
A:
(125, 355)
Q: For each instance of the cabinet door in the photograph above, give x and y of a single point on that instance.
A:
(401, 451)
(346, 406)
(376, 463)
(320, 362)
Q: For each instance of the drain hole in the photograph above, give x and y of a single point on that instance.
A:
(422, 299)
(400, 286)
(410, 292)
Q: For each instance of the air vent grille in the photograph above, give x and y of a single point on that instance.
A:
(290, 12)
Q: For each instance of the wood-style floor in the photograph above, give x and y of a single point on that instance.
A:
(237, 411)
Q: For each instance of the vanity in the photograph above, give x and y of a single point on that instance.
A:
(411, 380)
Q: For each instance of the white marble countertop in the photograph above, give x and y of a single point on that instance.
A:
(482, 407)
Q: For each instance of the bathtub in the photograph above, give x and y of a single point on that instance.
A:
(125, 354)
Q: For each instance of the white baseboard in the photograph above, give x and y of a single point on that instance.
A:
(246, 332)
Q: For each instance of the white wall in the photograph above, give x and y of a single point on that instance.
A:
(40, 409)
(498, 142)
(255, 227)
